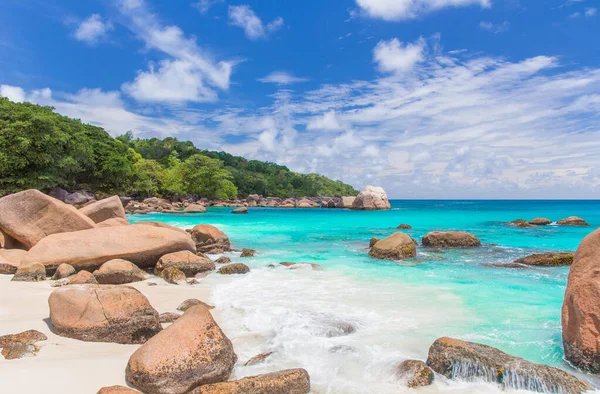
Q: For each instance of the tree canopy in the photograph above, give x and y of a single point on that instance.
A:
(42, 149)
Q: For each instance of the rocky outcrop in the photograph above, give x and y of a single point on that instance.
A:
(397, 246)
(573, 221)
(290, 381)
(550, 259)
(373, 241)
(240, 210)
(83, 278)
(458, 359)
(414, 373)
(30, 215)
(208, 238)
(346, 202)
(187, 304)
(191, 352)
(581, 307)
(108, 208)
(306, 203)
(118, 272)
(172, 275)
(64, 271)
(540, 222)
(143, 245)
(451, 239)
(194, 208)
(30, 272)
(371, 198)
(10, 260)
(185, 261)
(118, 314)
(235, 268)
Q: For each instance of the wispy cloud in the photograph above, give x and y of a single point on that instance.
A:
(495, 28)
(282, 78)
(204, 5)
(93, 29)
(243, 16)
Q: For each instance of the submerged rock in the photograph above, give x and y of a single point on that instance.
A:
(30, 215)
(107, 313)
(450, 239)
(415, 372)
(520, 223)
(108, 208)
(191, 352)
(550, 259)
(290, 381)
(540, 222)
(235, 268)
(573, 221)
(187, 262)
(371, 198)
(293, 266)
(581, 307)
(458, 359)
(397, 246)
(30, 272)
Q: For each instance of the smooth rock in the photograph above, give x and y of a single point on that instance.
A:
(106, 313)
(30, 215)
(540, 222)
(64, 271)
(191, 352)
(246, 252)
(458, 359)
(450, 239)
(345, 202)
(573, 221)
(415, 373)
(30, 272)
(143, 245)
(290, 381)
(187, 304)
(83, 278)
(114, 222)
(235, 268)
(209, 239)
(550, 259)
(371, 198)
(195, 208)
(118, 272)
(397, 246)
(187, 262)
(240, 210)
(10, 260)
(105, 209)
(581, 307)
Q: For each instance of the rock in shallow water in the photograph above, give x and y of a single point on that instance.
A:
(397, 246)
(540, 222)
(258, 359)
(415, 373)
(450, 239)
(192, 351)
(573, 221)
(458, 359)
(550, 259)
(107, 313)
(291, 381)
(246, 252)
(235, 268)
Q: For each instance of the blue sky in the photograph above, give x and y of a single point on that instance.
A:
(429, 99)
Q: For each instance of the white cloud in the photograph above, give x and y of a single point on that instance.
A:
(394, 56)
(328, 121)
(13, 93)
(589, 12)
(394, 10)
(493, 27)
(243, 16)
(204, 5)
(93, 29)
(190, 67)
(282, 78)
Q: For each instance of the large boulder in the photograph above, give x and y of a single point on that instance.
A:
(118, 314)
(118, 272)
(185, 261)
(143, 245)
(114, 222)
(30, 215)
(397, 246)
(371, 198)
(290, 381)
(573, 221)
(10, 260)
(550, 259)
(581, 307)
(191, 352)
(458, 359)
(208, 238)
(450, 239)
(345, 202)
(108, 208)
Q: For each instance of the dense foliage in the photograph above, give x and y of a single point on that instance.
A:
(41, 149)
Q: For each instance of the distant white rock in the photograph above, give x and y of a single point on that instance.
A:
(371, 198)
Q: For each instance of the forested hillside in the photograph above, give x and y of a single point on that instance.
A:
(42, 149)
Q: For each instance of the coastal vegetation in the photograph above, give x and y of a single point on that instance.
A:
(41, 149)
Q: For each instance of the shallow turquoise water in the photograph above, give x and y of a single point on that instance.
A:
(516, 310)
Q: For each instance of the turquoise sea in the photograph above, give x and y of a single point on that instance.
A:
(397, 308)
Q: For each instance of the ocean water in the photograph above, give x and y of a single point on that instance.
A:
(397, 309)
